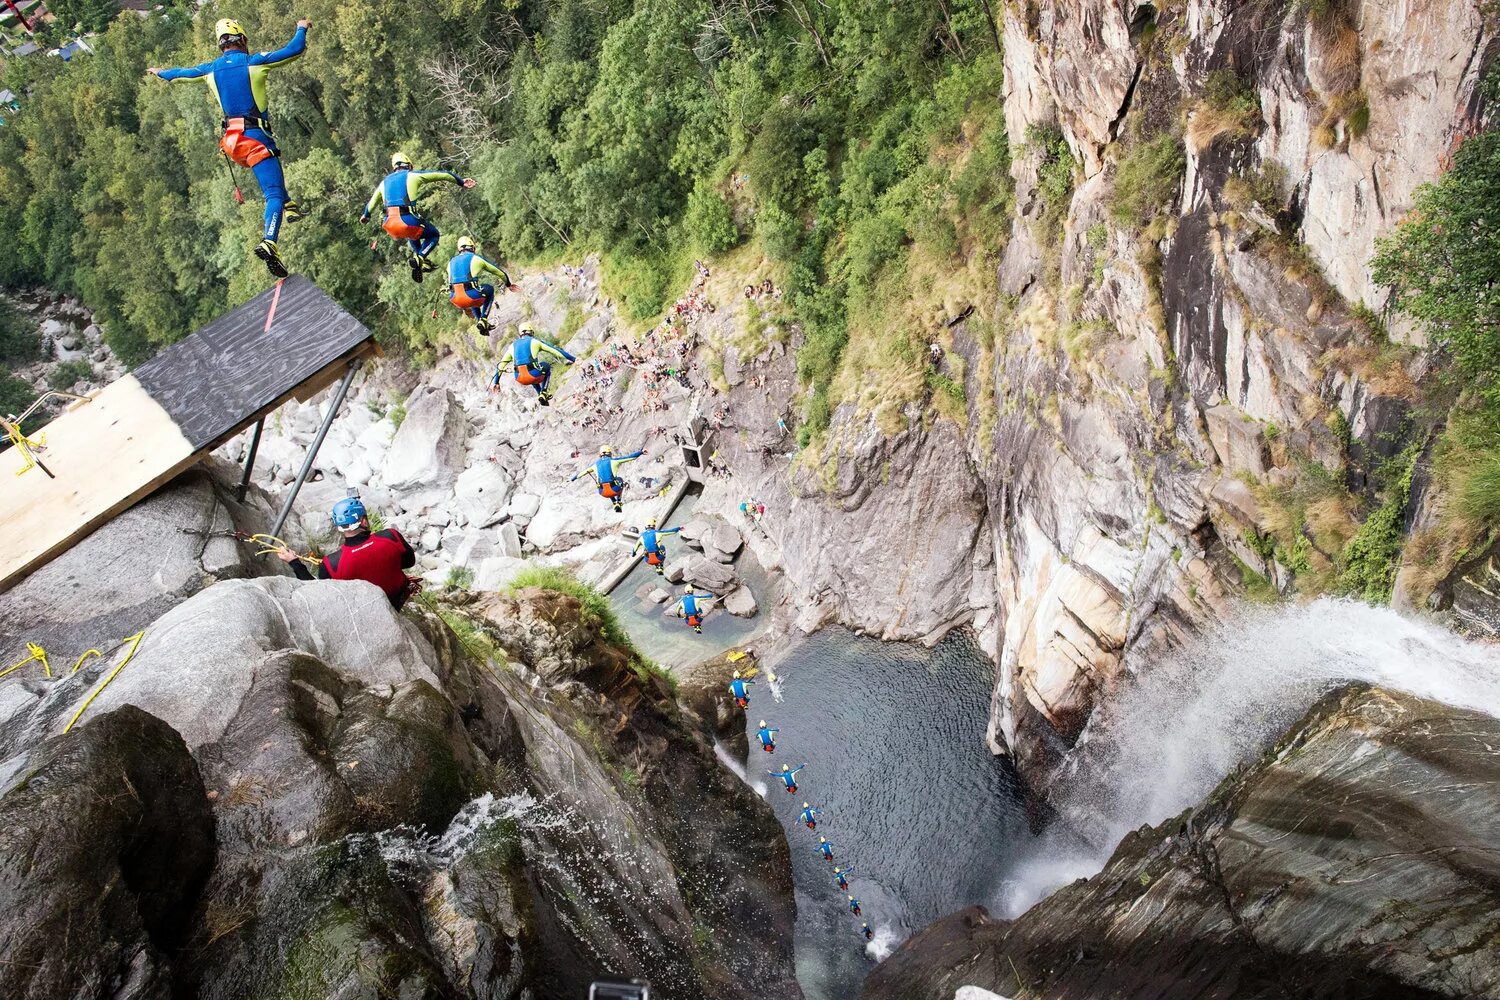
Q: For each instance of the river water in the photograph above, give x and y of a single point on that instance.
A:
(893, 736)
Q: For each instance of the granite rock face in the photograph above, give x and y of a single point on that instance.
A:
(1358, 858)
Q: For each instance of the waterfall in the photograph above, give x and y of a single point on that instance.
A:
(1181, 724)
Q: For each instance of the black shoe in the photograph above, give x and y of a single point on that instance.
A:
(544, 398)
(619, 509)
(266, 251)
(292, 212)
(699, 630)
(416, 268)
(483, 328)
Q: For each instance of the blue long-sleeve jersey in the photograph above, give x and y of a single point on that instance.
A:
(607, 468)
(738, 687)
(809, 815)
(841, 875)
(788, 776)
(690, 607)
(825, 848)
(766, 735)
(238, 79)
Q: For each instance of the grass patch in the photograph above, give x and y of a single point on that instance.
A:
(459, 578)
(1147, 180)
(595, 610)
(1265, 186)
(398, 410)
(472, 638)
(1228, 109)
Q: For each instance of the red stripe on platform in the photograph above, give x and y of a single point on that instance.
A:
(275, 298)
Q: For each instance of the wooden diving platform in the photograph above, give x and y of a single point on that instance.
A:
(128, 439)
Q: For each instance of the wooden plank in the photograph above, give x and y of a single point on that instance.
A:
(106, 453)
(251, 357)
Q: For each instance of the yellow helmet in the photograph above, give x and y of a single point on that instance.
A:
(466, 243)
(228, 26)
(526, 329)
(606, 450)
(651, 523)
(400, 161)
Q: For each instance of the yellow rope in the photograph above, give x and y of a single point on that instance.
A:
(37, 653)
(270, 545)
(85, 656)
(24, 445)
(135, 642)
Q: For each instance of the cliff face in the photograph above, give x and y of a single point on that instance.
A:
(1156, 366)
(1357, 859)
(292, 790)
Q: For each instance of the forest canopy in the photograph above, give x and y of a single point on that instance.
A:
(648, 131)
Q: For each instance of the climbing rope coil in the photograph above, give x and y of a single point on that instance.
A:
(268, 544)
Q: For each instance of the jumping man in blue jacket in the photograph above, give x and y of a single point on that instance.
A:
(788, 775)
(650, 543)
(606, 473)
(238, 79)
(767, 737)
(467, 288)
(739, 690)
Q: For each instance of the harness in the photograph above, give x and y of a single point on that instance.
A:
(604, 471)
(242, 149)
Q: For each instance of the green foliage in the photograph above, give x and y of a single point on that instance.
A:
(595, 611)
(15, 396)
(459, 578)
(19, 340)
(1373, 554)
(1442, 264)
(64, 375)
(472, 638)
(398, 412)
(710, 220)
(1148, 179)
(1056, 174)
(866, 131)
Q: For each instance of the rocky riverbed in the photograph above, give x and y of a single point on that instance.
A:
(291, 790)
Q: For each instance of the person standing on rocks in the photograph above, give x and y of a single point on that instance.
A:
(399, 191)
(527, 357)
(739, 689)
(788, 776)
(465, 290)
(687, 607)
(767, 737)
(238, 80)
(809, 816)
(650, 543)
(375, 557)
(606, 473)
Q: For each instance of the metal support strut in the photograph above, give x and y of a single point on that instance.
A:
(239, 494)
(312, 451)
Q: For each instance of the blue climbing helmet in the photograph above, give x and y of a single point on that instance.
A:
(348, 512)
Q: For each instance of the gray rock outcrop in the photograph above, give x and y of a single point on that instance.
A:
(1376, 810)
(428, 449)
(107, 838)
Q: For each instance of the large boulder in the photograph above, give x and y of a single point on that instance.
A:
(428, 449)
(197, 662)
(712, 576)
(723, 542)
(1374, 820)
(482, 493)
(126, 574)
(105, 840)
(741, 603)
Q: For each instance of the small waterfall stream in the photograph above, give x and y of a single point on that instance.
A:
(1184, 723)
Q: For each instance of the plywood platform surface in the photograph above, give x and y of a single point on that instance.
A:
(106, 454)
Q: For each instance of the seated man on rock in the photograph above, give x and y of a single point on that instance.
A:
(375, 557)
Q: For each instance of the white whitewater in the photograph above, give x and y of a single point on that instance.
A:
(1184, 723)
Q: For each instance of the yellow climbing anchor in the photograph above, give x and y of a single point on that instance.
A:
(29, 447)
